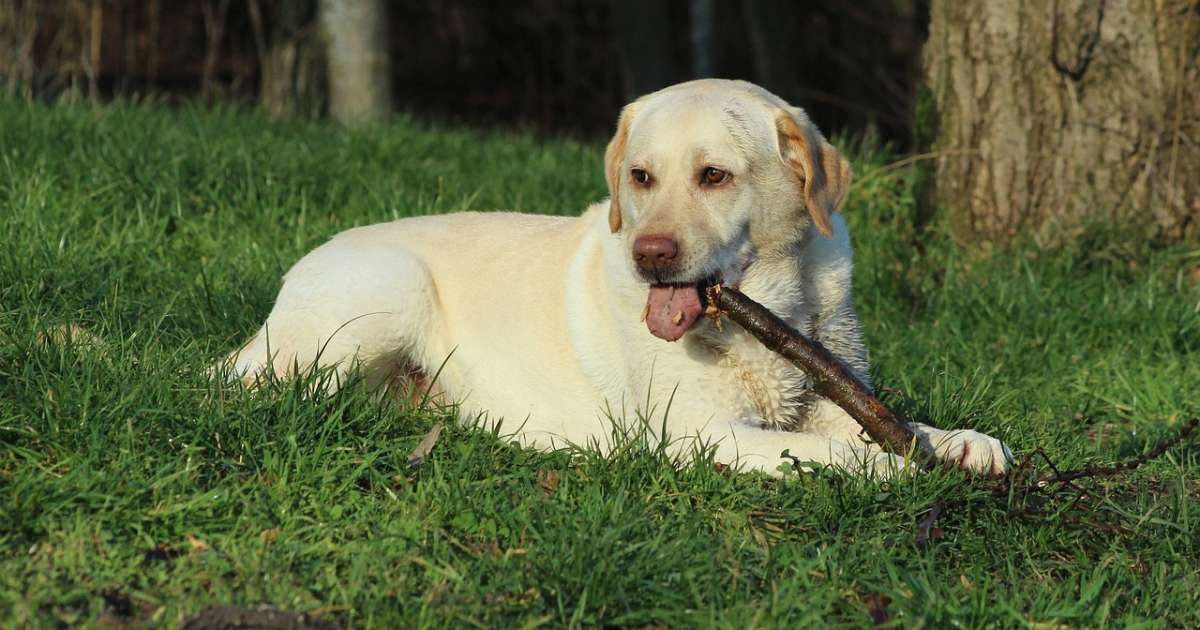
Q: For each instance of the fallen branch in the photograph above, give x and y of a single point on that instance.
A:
(1067, 476)
(1057, 495)
(831, 378)
(261, 618)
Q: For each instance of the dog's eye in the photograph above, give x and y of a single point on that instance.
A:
(713, 176)
(640, 176)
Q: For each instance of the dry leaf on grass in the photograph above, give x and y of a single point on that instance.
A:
(69, 334)
(198, 546)
(421, 453)
(877, 604)
(548, 479)
(161, 553)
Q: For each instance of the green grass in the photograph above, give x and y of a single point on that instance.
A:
(165, 233)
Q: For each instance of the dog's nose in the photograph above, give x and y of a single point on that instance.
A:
(654, 254)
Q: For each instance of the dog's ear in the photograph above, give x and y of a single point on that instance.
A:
(823, 173)
(614, 156)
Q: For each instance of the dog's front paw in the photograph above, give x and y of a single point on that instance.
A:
(974, 452)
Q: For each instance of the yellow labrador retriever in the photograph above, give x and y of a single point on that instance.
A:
(561, 326)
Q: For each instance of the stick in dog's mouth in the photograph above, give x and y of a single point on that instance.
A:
(830, 377)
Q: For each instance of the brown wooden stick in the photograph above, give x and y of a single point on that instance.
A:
(831, 378)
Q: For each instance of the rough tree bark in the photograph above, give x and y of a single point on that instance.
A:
(357, 54)
(1056, 115)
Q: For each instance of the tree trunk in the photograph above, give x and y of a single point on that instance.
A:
(18, 33)
(290, 63)
(357, 54)
(1057, 116)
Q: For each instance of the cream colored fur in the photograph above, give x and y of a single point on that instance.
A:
(541, 316)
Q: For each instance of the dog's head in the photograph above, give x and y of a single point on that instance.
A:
(706, 175)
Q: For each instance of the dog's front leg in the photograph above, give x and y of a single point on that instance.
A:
(969, 450)
(745, 443)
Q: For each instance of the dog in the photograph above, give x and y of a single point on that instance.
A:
(562, 327)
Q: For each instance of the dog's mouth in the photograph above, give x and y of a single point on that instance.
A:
(673, 308)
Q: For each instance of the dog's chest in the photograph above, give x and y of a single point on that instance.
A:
(759, 383)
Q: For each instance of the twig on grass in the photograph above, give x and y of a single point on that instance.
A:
(1065, 478)
(925, 529)
(1031, 491)
(260, 618)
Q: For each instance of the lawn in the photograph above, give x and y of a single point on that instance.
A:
(132, 490)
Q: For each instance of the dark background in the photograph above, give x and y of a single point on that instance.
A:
(554, 67)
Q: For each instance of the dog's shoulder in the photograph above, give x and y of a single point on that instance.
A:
(827, 266)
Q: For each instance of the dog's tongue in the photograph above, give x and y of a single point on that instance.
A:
(671, 310)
